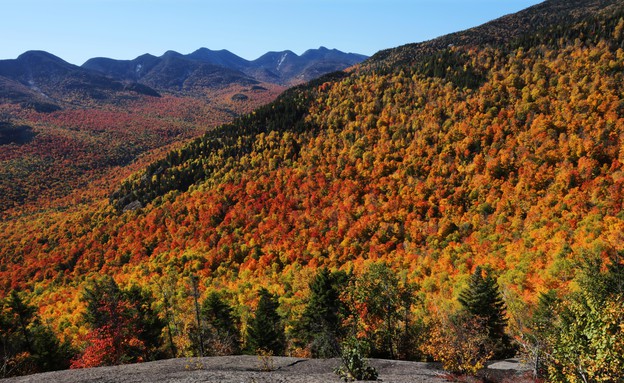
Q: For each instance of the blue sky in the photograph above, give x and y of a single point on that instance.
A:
(76, 30)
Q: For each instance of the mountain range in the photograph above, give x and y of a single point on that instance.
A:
(45, 81)
(284, 68)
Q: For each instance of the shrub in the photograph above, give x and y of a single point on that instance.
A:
(354, 365)
(460, 342)
(266, 362)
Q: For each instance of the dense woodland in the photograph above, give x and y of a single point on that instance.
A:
(61, 151)
(464, 206)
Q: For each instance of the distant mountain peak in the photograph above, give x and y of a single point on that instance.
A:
(146, 56)
(41, 58)
(38, 76)
(207, 50)
(38, 53)
(46, 74)
(171, 53)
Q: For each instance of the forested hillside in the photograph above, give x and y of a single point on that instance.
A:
(405, 179)
(46, 154)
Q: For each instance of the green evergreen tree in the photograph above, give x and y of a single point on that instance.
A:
(545, 311)
(602, 285)
(483, 299)
(101, 293)
(23, 314)
(320, 326)
(26, 345)
(147, 320)
(49, 353)
(536, 341)
(220, 326)
(265, 330)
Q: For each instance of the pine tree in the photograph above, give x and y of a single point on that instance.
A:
(483, 299)
(26, 345)
(101, 293)
(266, 330)
(545, 313)
(220, 326)
(49, 353)
(603, 285)
(320, 326)
(538, 336)
(23, 314)
(147, 320)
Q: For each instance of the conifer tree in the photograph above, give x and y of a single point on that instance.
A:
(99, 294)
(147, 320)
(26, 345)
(603, 285)
(22, 315)
(545, 312)
(483, 299)
(265, 330)
(536, 338)
(221, 333)
(320, 326)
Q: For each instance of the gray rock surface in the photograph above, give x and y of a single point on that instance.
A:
(232, 369)
(240, 369)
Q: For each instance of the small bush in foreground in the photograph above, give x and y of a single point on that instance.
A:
(354, 365)
(460, 342)
(266, 362)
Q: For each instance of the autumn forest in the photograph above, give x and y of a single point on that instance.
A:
(454, 202)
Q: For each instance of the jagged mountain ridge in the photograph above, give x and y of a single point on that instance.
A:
(284, 68)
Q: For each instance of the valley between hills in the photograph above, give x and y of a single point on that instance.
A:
(458, 200)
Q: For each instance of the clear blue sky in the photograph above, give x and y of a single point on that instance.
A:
(77, 30)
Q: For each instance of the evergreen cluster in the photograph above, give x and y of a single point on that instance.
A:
(27, 345)
(265, 331)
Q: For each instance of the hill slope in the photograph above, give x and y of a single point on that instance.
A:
(536, 21)
(506, 154)
(85, 123)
